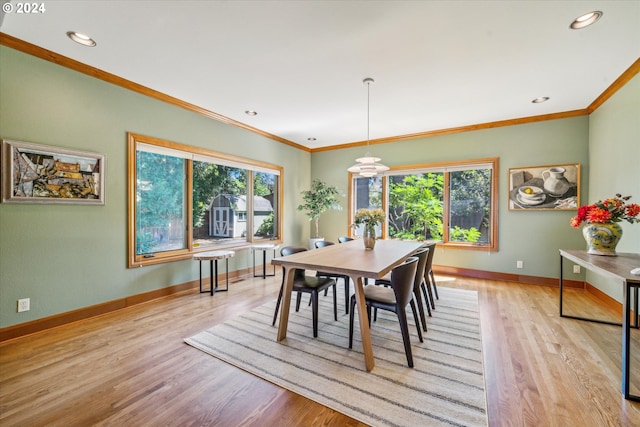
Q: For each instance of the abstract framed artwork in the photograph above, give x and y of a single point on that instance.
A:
(554, 187)
(34, 173)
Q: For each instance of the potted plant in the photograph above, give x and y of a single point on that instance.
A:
(319, 199)
(602, 231)
(370, 218)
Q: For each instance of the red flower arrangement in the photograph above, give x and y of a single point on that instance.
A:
(607, 211)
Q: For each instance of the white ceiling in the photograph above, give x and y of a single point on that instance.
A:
(300, 64)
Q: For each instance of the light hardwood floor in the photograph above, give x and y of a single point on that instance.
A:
(132, 368)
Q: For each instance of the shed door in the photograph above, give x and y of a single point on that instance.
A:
(221, 222)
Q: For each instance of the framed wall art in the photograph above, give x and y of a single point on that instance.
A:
(34, 173)
(554, 187)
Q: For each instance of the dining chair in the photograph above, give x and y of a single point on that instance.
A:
(422, 254)
(429, 287)
(303, 283)
(344, 239)
(321, 244)
(394, 298)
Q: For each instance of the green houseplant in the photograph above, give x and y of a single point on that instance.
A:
(319, 199)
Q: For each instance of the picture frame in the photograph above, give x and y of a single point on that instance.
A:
(552, 187)
(36, 173)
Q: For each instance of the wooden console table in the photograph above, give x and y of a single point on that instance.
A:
(618, 269)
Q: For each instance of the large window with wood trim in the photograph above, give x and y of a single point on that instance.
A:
(185, 199)
(453, 203)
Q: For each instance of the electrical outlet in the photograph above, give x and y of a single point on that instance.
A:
(576, 269)
(24, 304)
(519, 264)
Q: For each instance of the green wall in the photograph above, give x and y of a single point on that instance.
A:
(614, 157)
(531, 236)
(67, 257)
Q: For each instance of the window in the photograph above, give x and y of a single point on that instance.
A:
(454, 203)
(185, 199)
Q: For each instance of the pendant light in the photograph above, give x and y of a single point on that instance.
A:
(368, 165)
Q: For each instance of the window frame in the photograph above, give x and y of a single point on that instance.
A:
(191, 153)
(439, 167)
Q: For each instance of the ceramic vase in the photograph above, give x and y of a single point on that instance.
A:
(369, 238)
(602, 238)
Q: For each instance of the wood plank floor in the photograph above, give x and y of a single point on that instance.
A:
(132, 367)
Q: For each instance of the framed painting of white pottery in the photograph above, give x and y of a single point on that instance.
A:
(34, 173)
(554, 187)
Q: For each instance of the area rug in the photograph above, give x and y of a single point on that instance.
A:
(445, 388)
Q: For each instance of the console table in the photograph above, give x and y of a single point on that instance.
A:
(264, 248)
(213, 257)
(618, 269)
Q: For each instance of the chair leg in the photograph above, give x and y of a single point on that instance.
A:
(275, 313)
(433, 304)
(404, 327)
(426, 298)
(415, 318)
(352, 305)
(314, 310)
(346, 294)
(433, 282)
(335, 303)
(423, 320)
(298, 299)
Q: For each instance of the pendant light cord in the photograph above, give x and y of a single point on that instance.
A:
(368, 81)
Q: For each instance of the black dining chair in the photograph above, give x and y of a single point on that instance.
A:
(394, 298)
(324, 243)
(429, 287)
(344, 239)
(303, 283)
(422, 254)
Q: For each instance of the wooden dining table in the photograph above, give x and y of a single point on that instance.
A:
(349, 259)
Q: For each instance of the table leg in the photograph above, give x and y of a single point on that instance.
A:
(264, 264)
(227, 273)
(286, 302)
(365, 333)
(561, 283)
(212, 289)
(626, 336)
(200, 261)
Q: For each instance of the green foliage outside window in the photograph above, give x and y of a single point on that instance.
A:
(416, 208)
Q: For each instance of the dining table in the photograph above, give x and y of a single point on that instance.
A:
(348, 259)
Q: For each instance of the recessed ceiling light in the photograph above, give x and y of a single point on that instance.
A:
(311, 139)
(540, 100)
(586, 20)
(251, 113)
(83, 39)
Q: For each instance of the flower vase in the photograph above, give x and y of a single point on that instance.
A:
(602, 238)
(369, 238)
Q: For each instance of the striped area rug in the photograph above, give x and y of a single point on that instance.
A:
(445, 388)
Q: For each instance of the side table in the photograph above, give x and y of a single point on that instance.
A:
(264, 248)
(213, 257)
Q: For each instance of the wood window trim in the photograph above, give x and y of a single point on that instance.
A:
(495, 165)
(134, 260)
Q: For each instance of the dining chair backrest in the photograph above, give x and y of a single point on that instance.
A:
(344, 239)
(290, 250)
(402, 279)
(323, 243)
(427, 268)
(423, 255)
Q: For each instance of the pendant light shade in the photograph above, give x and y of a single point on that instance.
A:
(368, 165)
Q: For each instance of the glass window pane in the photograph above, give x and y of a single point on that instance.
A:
(219, 204)
(160, 203)
(416, 206)
(265, 205)
(470, 206)
(367, 195)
